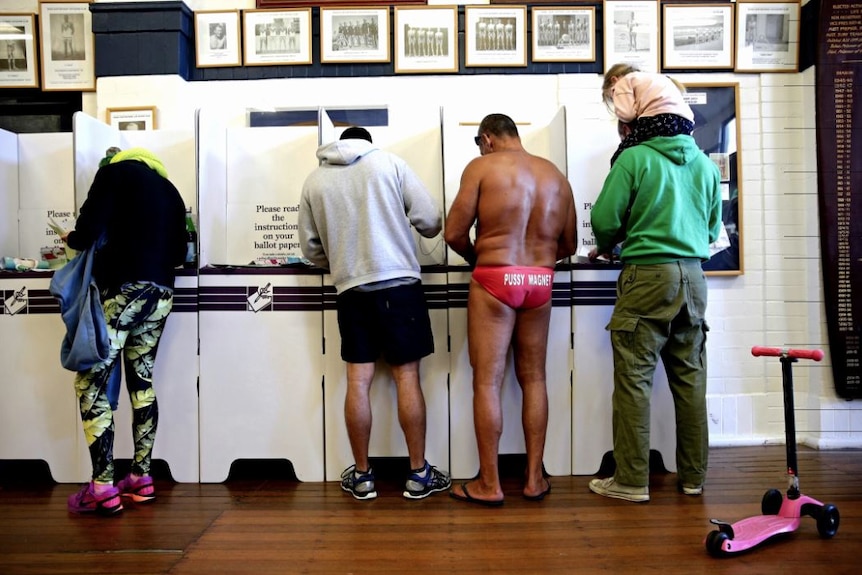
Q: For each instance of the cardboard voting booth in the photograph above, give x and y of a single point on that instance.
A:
(261, 352)
(175, 378)
(53, 175)
(414, 135)
(592, 143)
(543, 135)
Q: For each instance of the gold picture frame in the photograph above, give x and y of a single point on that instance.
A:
(631, 33)
(426, 39)
(697, 36)
(354, 34)
(767, 36)
(66, 33)
(217, 39)
(564, 34)
(719, 134)
(495, 36)
(132, 119)
(19, 67)
(276, 37)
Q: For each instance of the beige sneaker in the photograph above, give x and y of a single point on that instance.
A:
(691, 490)
(610, 488)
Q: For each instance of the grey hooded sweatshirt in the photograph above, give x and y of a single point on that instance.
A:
(356, 211)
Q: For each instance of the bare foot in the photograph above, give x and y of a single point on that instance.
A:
(537, 492)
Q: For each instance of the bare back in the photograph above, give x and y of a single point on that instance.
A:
(524, 209)
(525, 215)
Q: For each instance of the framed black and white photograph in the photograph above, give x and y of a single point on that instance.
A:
(217, 38)
(360, 35)
(276, 37)
(66, 32)
(19, 67)
(767, 36)
(564, 34)
(426, 39)
(495, 36)
(631, 34)
(132, 119)
(698, 36)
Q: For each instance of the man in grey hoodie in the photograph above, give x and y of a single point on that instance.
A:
(355, 216)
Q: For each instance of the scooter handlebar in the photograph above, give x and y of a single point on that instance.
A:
(759, 350)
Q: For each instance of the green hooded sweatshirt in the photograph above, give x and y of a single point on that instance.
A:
(673, 191)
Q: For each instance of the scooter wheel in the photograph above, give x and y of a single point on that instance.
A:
(714, 543)
(771, 503)
(827, 521)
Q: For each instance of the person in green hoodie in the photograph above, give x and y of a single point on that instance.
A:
(662, 199)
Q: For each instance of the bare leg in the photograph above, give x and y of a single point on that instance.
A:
(530, 344)
(357, 411)
(411, 410)
(489, 332)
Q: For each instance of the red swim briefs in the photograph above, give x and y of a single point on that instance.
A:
(519, 287)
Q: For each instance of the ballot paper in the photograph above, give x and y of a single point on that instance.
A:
(61, 231)
(57, 227)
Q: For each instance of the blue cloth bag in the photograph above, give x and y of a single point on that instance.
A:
(86, 342)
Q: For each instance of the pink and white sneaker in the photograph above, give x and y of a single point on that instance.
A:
(86, 500)
(140, 490)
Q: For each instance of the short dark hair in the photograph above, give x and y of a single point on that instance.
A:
(356, 133)
(498, 125)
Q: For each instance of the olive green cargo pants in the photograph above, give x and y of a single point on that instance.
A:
(659, 313)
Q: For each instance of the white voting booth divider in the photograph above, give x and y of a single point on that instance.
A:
(591, 144)
(387, 439)
(40, 420)
(39, 417)
(261, 344)
(260, 391)
(544, 136)
(9, 198)
(176, 372)
(38, 414)
(45, 189)
(264, 379)
(417, 141)
(274, 356)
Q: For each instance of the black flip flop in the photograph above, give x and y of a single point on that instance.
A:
(470, 499)
(541, 495)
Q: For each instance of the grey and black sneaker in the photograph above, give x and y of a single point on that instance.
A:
(360, 484)
(426, 481)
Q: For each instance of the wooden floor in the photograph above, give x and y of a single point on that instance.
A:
(260, 525)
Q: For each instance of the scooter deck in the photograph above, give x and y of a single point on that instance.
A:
(753, 531)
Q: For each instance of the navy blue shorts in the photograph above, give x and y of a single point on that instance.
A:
(392, 322)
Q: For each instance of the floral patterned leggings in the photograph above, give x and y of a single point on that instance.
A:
(136, 319)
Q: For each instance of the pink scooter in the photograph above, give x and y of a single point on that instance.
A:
(779, 515)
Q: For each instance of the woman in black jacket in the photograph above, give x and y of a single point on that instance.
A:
(142, 217)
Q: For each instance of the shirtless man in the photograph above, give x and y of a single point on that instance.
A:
(67, 32)
(525, 212)
(10, 54)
